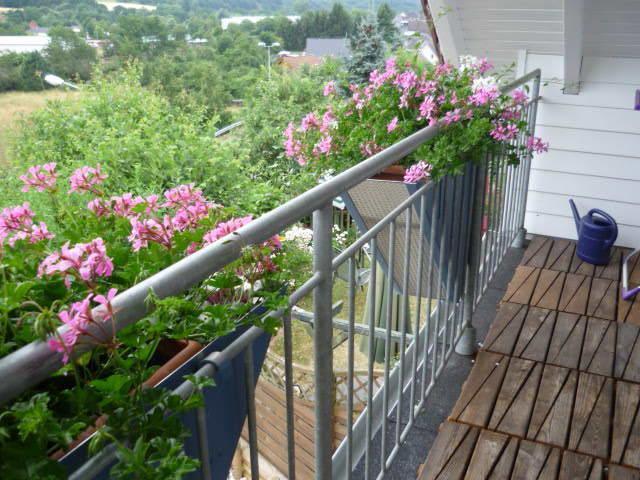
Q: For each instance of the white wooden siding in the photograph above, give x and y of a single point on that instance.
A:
(594, 154)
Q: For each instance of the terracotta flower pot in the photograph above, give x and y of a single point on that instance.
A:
(174, 352)
(394, 173)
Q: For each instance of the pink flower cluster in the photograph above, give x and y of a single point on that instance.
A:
(85, 179)
(417, 172)
(293, 146)
(329, 88)
(84, 261)
(77, 318)
(535, 144)
(41, 177)
(503, 132)
(16, 223)
(151, 230)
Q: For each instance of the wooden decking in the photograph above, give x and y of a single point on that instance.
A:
(555, 390)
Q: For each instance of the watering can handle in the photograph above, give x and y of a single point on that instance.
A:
(608, 217)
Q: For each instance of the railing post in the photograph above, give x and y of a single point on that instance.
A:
(467, 343)
(522, 232)
(322, 336)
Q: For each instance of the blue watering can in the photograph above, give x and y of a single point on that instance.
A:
(597, 231)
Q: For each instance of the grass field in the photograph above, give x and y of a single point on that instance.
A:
(15, 105)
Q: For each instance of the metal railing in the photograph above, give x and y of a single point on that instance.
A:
(465, 225)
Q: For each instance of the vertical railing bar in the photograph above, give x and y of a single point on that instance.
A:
(441, 260)
(489, 211)
(433, 279)
(251, 411)
(322, 340)
(495, 170)
(414, 368)
(350, 363)
(404, 316)
(387, 342)
(499, 212)
(288, 377)
(483, 239)
(371, 298)
(428, 337)
(203, 443)
(460, 255)
(451, 240)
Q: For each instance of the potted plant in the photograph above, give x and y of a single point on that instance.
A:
(77, 247)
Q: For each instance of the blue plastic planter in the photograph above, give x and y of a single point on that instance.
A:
(225, 404)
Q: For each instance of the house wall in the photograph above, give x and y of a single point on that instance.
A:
(594, 154)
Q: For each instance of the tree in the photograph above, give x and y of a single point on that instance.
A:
(367, 50)
(339, 21)
(387, 27)
(68, 55)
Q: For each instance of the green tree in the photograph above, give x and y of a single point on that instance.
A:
(68, 55)
(367, 50)
(387, 27)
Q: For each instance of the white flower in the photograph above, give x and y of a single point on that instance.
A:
(485, 83)
(301, 237)
(467, 62)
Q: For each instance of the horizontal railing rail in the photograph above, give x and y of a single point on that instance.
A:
(476, 215)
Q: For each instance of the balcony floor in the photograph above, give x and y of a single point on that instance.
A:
(555, 390)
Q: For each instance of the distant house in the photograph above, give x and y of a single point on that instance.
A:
(23, 43)
(293, 61)
(328, 47)
(35, 29)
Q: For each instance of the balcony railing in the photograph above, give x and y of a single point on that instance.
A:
(464, 224)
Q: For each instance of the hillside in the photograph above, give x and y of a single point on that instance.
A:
(229, 7)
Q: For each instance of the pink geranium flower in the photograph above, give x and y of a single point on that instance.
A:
(16, 223)
(417, 172)
(151, 230)
(84, 261)
(86, 179)
(41, 177)
(392, 125)
(535, 144)
(329, 88)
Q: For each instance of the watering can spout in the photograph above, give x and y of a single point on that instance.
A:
(576, 215)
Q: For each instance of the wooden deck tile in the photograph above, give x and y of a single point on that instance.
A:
(522, 284)
(627, 359)
(552, 411)
(617, 472)
(470, 453)
(450, 452)
(555, 392)
(481, 389)
(505, 329)
(560, 255)
(629, 311)
(602, 298)
(537, 252)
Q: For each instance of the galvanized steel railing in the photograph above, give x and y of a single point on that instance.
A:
(465, 225)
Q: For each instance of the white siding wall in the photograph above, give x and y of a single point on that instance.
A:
(594, 154)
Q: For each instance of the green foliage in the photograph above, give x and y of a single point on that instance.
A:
(387, 27)
(21, 71)
(269, 108)
(141, 141)
(68, 55)
(407, 95)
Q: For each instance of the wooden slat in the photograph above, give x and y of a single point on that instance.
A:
(449, 440)
(505, 329)
(522, 284)
(481, 389)
(591, 417)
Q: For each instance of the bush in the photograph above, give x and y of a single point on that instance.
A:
(141, 141)
(269, 108)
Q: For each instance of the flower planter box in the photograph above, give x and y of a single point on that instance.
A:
(225, 404)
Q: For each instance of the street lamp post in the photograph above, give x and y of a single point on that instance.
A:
(269, 47)
(56, 81)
